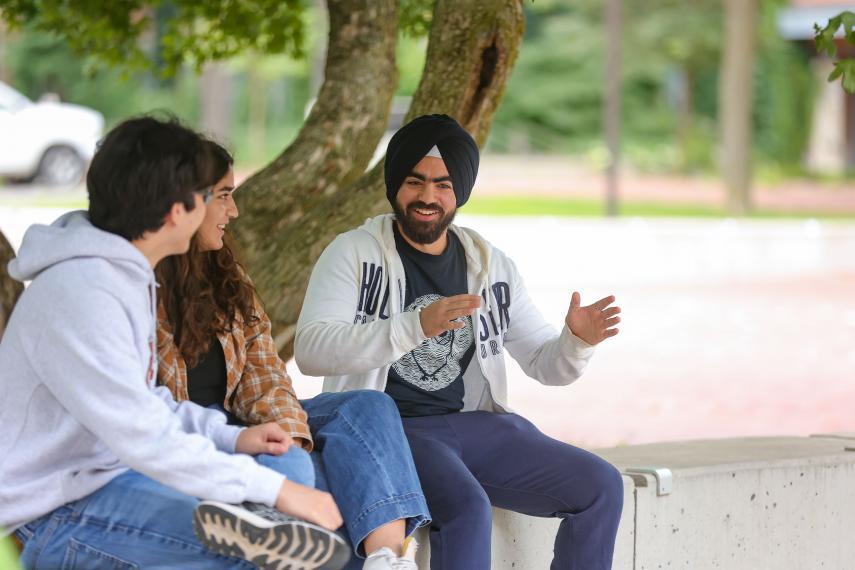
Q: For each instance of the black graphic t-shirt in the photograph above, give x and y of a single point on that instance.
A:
(429, 380)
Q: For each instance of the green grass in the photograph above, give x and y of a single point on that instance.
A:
(59, 203)
(44, 201)
(543, 206)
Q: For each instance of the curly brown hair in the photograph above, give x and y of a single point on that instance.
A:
(205, 293)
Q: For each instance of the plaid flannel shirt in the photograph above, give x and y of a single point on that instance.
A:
(258, 388)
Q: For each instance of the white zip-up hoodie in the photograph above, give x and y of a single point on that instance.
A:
(353, 327)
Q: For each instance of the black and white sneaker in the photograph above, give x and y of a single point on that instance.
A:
(267, 538)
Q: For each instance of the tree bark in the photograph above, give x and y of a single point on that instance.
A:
(10, 289)
(612, 103)
(317, 189)
(330, 152)
(735, 101)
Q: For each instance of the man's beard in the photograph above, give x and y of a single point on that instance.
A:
(422, 232)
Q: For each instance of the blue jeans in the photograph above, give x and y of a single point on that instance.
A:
(136, 522)
(361, 456)
(131, 522)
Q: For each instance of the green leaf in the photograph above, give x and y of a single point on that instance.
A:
(836, 72)
(825, 36)
(844, 69)
(415, 17)
(193, 32)
(848, 67)
(848, 20)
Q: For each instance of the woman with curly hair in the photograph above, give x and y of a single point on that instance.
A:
(216, 348)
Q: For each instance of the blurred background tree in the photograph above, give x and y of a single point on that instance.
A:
(553, 100)
(670, 80)
(318, 184)
(255, 89)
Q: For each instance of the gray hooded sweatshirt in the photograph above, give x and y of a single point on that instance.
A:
(78, 400)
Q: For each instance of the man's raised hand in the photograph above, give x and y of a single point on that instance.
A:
(440, 315)
(593, 323)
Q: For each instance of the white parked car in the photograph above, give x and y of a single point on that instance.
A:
(45, 142)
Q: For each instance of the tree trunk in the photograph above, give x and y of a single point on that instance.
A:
(216, 99)
(257, 96)
(330, 152)
(9, 288)
(735, 101)
(317, 189)
(684, 116)
(611, 103)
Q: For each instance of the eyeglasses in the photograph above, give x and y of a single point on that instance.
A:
(207, 193)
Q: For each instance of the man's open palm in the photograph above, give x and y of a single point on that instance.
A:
(593, 323)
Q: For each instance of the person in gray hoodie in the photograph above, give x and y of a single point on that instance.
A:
(100, 467)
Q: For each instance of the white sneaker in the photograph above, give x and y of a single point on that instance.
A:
(267, 538)
(385, 559)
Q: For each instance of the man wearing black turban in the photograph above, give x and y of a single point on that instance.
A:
(423, 310)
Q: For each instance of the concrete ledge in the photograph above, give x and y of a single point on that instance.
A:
(782, 502)
(753, 503)
(847, 435)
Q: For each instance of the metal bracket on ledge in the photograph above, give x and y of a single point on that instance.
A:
(849, 448)
(664, 477)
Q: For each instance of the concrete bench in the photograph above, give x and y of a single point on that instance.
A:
(750, 503)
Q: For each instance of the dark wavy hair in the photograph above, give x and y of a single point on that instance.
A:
(205, 292)
(140, 170)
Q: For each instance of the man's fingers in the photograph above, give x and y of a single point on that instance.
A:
(610, 333)
(332, 522)
(447, 314)
(575, 300)
(611, 311)
(331, 516)
(452, 324)
(274, 433)
(275, 448)
(460, 302)
(612, 322)
(603, 303)
(464, 297)
(277, 437)
(455, 315)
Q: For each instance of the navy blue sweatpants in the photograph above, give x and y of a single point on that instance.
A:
(469, 461)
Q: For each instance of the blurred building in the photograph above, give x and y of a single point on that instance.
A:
(831, 148)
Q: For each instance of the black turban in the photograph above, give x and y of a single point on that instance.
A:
(415, 139)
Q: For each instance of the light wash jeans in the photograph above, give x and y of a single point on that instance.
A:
(361, 456)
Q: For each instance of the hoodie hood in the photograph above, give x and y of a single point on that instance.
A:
(73, 236)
